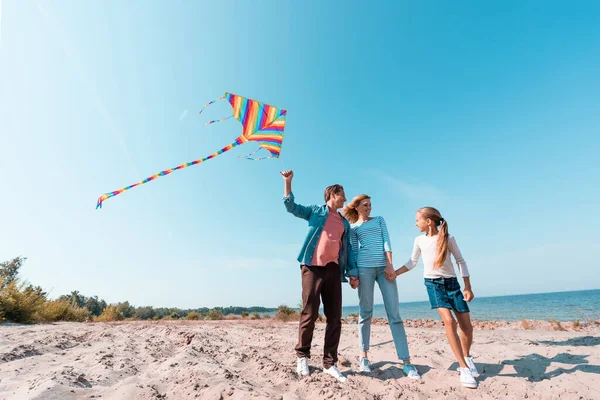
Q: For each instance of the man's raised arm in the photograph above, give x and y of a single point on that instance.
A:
(297, 210)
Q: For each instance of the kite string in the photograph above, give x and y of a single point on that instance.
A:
(282, 167)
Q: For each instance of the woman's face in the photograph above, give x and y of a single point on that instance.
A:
(364, 208)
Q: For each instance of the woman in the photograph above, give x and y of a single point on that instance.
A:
(370, 239)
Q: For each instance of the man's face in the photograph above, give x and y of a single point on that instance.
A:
(338, 199)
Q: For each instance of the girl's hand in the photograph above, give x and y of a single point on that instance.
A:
(389, 272)
(468, 293)
(354, 282)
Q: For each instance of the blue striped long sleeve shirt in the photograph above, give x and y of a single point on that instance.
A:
(370, 240)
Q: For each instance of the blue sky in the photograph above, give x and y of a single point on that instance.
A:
(487, 112)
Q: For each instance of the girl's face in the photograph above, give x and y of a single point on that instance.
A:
(364, 208)
(422, 223)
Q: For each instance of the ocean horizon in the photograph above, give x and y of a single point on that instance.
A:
(562, 306)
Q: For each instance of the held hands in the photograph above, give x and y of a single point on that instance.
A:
(468, 294)
(287, 175)
(400, 271)
(354, 282)
(389, 272)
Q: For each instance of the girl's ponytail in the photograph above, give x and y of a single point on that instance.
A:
(442, 243)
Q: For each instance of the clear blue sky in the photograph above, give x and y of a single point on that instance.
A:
(488, 112)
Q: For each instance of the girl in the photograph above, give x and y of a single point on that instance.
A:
(371, 242)
(443, 286)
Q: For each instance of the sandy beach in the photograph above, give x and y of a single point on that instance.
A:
(242, 359)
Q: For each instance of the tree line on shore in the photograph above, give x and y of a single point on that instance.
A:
(23, 302)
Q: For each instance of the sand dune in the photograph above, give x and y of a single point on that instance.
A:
(255, 359)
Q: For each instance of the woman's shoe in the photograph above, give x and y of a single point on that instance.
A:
(411, 371)
(364, 365)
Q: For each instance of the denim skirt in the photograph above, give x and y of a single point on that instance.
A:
(446, 293)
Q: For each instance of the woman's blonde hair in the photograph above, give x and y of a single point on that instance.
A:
(442, 244)
(350, 211)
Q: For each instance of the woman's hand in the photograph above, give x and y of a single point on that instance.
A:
(389, 272)
(354, 282)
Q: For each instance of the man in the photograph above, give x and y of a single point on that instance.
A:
(326, 259)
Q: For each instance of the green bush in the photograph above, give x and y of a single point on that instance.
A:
(285, 313)
(255, 315)
(61, 310)
(19, 302)
(215, 314)
(110, 313)
(193, 316)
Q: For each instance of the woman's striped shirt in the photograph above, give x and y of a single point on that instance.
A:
(370, 240)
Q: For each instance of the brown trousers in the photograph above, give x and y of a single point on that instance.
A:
(325, 283)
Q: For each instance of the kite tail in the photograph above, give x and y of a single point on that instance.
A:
(216, 120)
(106, 196)
(249, 156)
(219, 120)
(211, 102)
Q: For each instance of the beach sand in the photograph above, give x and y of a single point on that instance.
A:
(240, 359)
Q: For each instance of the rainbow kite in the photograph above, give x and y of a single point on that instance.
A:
(261, 123)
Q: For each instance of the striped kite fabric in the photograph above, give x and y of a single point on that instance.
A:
(261, 123)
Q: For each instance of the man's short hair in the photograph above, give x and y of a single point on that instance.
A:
(331, 190)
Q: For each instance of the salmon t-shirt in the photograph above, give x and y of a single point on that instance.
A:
(330, 242)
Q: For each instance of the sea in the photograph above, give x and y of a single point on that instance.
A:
(562, 306)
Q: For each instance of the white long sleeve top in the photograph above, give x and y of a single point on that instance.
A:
(427, 246)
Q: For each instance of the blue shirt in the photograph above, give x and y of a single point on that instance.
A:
(316, 217)
(371, 240)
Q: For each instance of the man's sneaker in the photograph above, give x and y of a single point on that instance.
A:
(411, 371)
(364, 365)
(302, 367)
(471, 365)
(466, 378)
(335, 372)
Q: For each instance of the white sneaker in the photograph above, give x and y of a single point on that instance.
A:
(302, 367)
(471, 365)
(411, 371)
(364, 365)
(335, 372)
(466, 378)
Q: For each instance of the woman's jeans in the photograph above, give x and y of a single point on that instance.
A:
(389, 290)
